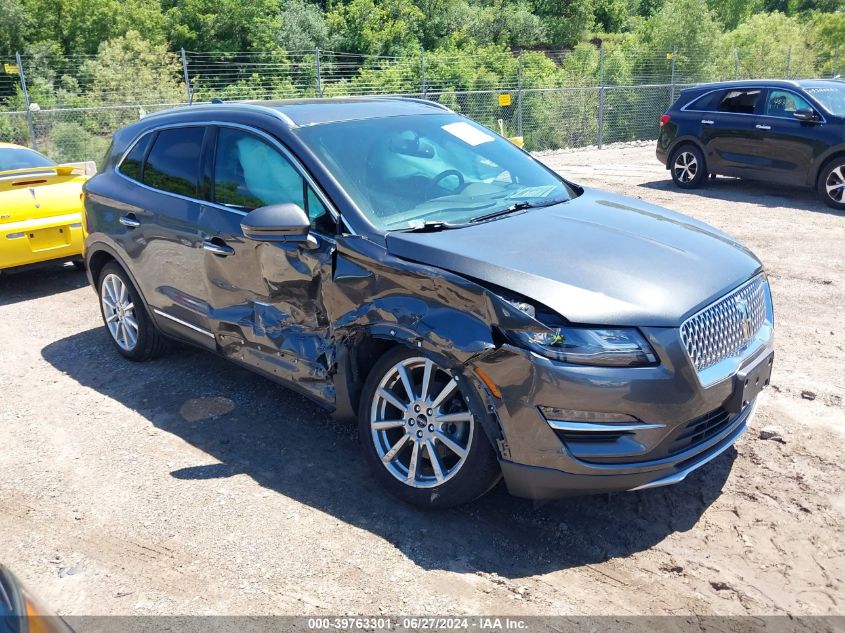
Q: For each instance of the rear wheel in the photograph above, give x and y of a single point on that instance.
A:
(130, 327)
(688, 167)
(831, 186)
(421, 432)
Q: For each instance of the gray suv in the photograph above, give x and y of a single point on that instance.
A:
(397, 263)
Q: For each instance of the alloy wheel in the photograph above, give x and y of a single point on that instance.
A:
(835, 184)
(686, 166)
(119, 312)
(420, 423)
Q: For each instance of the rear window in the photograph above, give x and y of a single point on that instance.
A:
(174, 160)
(134, 161)
(22, 158)
(740, 101)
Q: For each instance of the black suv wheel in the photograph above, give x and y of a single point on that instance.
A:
(831, 185)
(687, 166)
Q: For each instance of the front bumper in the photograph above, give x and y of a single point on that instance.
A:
(685, 425)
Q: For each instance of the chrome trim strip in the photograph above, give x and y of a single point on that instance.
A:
(181, 322)
(682, 474)
(564, 425)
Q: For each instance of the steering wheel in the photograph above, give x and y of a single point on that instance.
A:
(435, 183)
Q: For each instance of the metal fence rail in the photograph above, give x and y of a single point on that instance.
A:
(69, 107)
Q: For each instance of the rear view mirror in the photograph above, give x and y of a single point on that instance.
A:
(278, 223)
(806, 116)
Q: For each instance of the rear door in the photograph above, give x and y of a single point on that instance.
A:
(265, 299)
(790, 146)
(159, 228)
(730, 133)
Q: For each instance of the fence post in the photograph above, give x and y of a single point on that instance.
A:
(519, 96)
(423, 87)
(29, 120)
(601, 97)
(788, 61)
(672, 87)
(185, 75)
(319, 72)
(736, 63)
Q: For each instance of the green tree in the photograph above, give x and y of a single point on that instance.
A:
(367, 27)
(566, 21)
(14, 27)
(222, 25)
(303, 27)
(128, 69)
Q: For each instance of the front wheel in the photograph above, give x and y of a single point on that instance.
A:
(421, 432)
(832, 184)
(687, 167)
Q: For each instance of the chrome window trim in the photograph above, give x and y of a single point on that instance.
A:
(272, 141)
(727, 367)
(764, 116)
(181, 322)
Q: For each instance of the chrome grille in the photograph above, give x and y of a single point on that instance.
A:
(722, 329)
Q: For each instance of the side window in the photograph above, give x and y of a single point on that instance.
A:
(782, 103)
(706, 103)
(739, 101)
(133, 163)
(173, 162)
(250, 173)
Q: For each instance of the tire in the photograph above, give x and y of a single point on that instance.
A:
(451, 424)
(688, 168)
(130, 328)
(831, 184)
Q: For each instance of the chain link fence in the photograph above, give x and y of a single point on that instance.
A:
(68, 108)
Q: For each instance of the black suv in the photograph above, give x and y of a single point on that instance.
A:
(790, 132)
(393, 260)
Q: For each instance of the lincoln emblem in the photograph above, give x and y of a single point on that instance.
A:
(744, 318)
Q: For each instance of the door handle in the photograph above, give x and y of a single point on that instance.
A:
(707, 121)
(129, 220)
(763, 127)
(218, 249)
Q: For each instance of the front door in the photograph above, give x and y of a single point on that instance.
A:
(265, 299)
(790, 146)
(732, 139)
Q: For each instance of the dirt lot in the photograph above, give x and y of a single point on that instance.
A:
(190, 486)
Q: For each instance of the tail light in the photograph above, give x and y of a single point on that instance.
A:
(665, 119)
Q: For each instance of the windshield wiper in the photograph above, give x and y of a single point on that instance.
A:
(430, 227)
(518, 206)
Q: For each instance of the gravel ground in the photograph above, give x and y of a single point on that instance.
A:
(190, 486)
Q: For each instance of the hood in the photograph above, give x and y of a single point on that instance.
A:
(598, 259)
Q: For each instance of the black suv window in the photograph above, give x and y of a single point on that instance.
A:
(782, 103)
(250, 173)
(740, 101)
(133, 164)
(706, 103)
(174, 160)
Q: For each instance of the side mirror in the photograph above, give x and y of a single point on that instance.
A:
(806, 116)
(279, 223)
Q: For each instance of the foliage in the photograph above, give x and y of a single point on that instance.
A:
(368, 27)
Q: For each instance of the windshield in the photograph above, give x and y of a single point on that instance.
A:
(830, 96)
(22, 158)
(406, 171)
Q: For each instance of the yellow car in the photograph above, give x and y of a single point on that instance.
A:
(40, 207)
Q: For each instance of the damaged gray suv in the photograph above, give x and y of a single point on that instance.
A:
(397, 263)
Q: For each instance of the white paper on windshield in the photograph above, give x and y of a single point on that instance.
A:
(467, 133)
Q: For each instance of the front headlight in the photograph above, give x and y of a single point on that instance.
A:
(603, 347)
